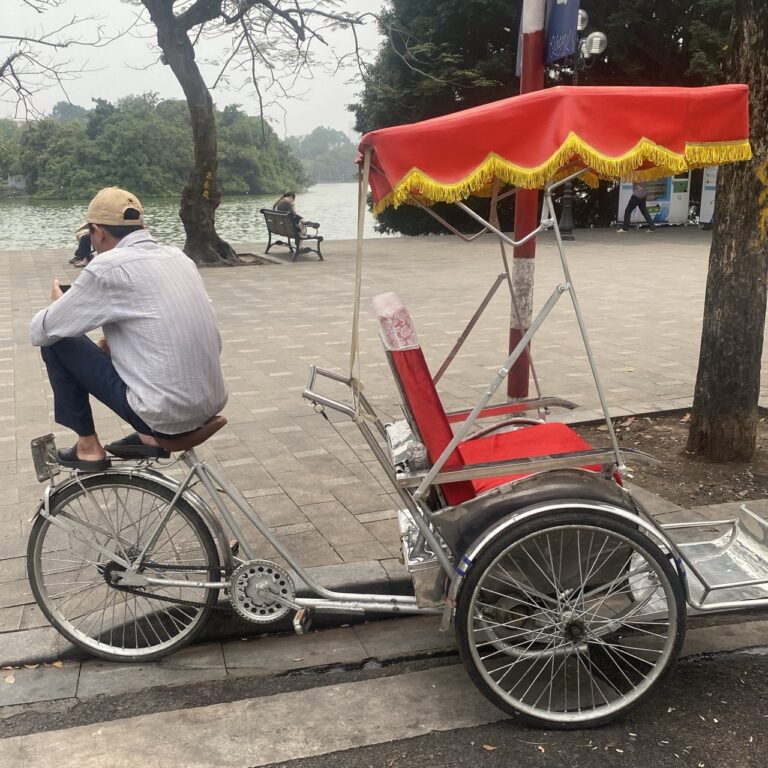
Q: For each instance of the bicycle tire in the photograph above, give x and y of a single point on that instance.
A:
(117, 512)
(529, 627)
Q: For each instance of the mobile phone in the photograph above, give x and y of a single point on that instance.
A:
(65, 287)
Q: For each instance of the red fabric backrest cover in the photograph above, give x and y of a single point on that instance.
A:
(429, 415)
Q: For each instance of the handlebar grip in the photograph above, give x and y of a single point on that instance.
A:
(312, 375)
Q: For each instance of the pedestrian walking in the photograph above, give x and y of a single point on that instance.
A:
(637, 200)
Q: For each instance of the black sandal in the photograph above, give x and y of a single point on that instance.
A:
(68, 457)
(131, 447)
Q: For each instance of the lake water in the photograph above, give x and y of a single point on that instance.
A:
(27, 223)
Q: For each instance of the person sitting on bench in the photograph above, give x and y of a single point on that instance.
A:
(286, 204)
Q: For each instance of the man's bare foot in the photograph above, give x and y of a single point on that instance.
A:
(148, 440)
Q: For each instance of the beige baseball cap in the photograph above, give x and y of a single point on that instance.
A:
(110, 205)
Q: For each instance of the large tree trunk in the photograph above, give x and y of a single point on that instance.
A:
(724, 416)
(201, 195)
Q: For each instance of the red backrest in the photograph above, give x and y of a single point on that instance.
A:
(399, 338)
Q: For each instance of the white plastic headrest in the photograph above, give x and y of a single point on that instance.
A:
(395, 325)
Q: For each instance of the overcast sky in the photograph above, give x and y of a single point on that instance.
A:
(129, 66)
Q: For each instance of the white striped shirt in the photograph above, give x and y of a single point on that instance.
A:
(157, 319)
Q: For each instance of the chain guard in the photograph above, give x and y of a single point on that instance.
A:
(251, 588)
(168, 598)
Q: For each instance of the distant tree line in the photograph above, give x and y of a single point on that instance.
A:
(144, 144)
(326, 154)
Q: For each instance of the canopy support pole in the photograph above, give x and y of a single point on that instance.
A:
(362, 200)
(470, 325)
(549, 204)
(501, 375)
(493, 221)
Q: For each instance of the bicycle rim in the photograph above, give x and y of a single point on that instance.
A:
(71, 577)
(569, 625)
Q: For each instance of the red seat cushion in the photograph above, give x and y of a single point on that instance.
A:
(535, 440)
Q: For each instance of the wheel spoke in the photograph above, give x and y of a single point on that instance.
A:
(73, 579)
(570, 622)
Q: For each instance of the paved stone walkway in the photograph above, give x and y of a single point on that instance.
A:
(319, 488)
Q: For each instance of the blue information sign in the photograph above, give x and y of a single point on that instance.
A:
(561, 35)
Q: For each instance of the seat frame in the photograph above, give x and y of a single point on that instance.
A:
(461, 475)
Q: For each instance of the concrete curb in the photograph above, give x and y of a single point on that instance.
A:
(44, 645)
(314, 652)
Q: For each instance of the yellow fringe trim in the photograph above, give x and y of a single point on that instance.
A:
(627, 166)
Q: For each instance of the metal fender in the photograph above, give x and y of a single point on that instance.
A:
(461, 525)
(147, 473)
(626, 511)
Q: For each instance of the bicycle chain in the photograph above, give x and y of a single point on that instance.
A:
(167, 598)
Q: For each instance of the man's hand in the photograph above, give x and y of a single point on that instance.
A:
(56, 292)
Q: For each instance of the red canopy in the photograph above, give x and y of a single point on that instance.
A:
(531, 139)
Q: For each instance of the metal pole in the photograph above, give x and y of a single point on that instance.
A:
(526, 202)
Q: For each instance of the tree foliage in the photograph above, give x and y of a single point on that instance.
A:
(64, 112)
(145, 145)
(440, 57)
(327, 154)
(266, 45)
(661, 42)
(252, 159)
(10, 131)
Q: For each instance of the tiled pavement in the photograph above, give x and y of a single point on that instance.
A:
(319, 488)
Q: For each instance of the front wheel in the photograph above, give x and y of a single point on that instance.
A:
(569, 619)
(106, 520)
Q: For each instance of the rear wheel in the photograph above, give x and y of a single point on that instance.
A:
(109, 518)
(570, 619)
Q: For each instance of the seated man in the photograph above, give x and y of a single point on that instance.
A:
(157, 366)
(286, 203)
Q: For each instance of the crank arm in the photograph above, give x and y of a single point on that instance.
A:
(269, 595)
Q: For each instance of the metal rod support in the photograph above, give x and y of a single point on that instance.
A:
(583, 329)
(470, 325)
(494, 385)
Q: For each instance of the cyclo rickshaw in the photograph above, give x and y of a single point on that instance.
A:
(568, 599)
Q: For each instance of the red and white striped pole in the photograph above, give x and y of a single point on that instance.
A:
(526, 201)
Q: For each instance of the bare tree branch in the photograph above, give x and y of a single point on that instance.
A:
(33, 63)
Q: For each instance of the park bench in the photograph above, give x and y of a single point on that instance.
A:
(283, 225)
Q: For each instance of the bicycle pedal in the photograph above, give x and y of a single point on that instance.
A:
(302, 621)
(234, 547)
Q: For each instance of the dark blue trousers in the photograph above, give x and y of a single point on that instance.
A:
(78, 368)
(639, 203)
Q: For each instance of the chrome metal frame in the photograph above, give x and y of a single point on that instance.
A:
(425, 550)
(420, 484)
(701, 605)
(216, 486)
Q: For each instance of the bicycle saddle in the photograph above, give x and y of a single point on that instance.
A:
(196, 437)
